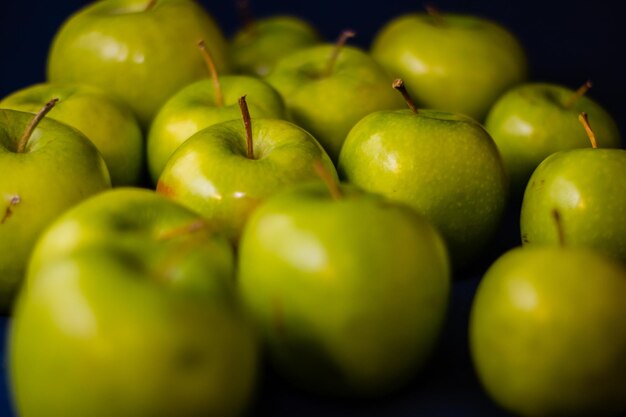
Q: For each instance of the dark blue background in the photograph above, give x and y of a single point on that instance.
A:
(567, 43)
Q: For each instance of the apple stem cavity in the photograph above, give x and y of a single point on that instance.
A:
(247, 123)
(435, 14)
(151, 5)
(329, 180)
(398, 84)
(219, 96)
(582, 90)
(341, 42)
(584, 119)
(21, 145)
(15, 200)
(559, 226)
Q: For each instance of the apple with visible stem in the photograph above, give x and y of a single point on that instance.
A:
(45, 168)
(586, 187)
(225, 171)
(142, 51)
(139, 291)
(444, 165)
(534, 120)
(205, 103)
(328, 88)
(452, 62)
(349, 290)
(257, 47)
(548, 330)
(107, 122)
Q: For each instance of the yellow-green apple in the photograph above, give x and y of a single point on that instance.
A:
(107, 122)
(143, 51)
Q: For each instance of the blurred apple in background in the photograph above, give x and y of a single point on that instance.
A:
(534, 120)
(45, 168)
(444, 165)
(329, 88)
(225, 171)
(452, 62)
(143, 51)
(107, 122)
(132, 296)
(348, 289)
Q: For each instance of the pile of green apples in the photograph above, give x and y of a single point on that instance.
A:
(162, 230)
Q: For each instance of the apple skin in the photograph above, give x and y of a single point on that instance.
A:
(328, 106)
(350, 295)
(548, 332)
(444, 165)
(461, 65)
(585, 186)
(143, 57)
(118, 288)
(108, 123)
(531, 122)
(59, 168)
(194, 108)
(211, 174)
(256, 49)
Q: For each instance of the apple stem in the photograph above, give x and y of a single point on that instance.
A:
(151, 5)
(247, 123)
(582, 90)
(15, 200)
(329, 180)
(559, 226)
(21, 145)
(245, 13)
(219, 97)
(398, 84)
(584, 119)
(186, 229)
(435, 14)
(341, 42)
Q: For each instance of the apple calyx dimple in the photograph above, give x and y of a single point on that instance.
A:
(21, 144)
(247, 124)
(329, 180)
(556, 215)
(15, 200)
(582, 90)
(341, 42)
(584, 119)
(398, 84)
(219, 96)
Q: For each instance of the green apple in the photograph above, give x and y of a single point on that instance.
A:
(329, 88)
(107, 122)
(143, 51)
(548, 332)
(196, 107)
(534, 120)
(451, 62)
(586, 187)
(45, 168)
(349, 292)
(131, 299)
(226, 170)
(257, 47)
(444, 165)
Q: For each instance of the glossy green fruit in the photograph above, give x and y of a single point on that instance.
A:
(586, 187)
(212, 174)
(107, 122)
(255, 49)
(194, 108)
(444, 165)
(548, 333)
(328, 105)
(532, 121)
(58, 168)
(141, 54)
(349, 294)
(453, 62)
